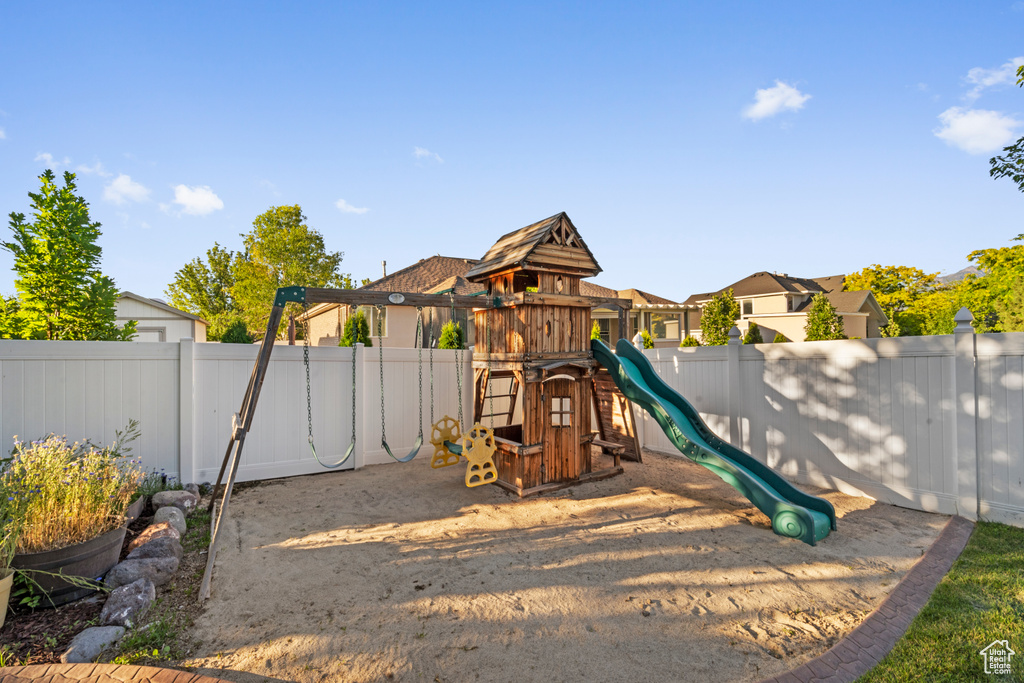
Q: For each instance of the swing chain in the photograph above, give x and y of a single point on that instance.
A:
(431, 325)
(490, 384)
(305, 361)
(353, 393)
(458, 362)
(419, 352)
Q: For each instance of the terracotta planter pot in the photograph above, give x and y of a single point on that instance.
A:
(5, 595)
(89, 560)
(134, 510)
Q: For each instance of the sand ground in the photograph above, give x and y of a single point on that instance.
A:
(665, 573)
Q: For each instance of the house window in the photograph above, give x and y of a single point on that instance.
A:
(664, 326)
(748, 308)
(789, 303)
(372, 315)
(561, 412)
(605, 325)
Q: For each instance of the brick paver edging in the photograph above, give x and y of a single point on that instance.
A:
(866, 645)
(98, 673)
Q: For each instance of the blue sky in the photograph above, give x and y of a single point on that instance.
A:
(691, 143)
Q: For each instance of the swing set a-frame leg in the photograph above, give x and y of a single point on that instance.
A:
(233, 454)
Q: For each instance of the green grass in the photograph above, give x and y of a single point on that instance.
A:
(980, 600)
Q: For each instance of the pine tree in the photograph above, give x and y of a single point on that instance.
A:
(357, 331)
(753, 335)
(451, 336)
(780, 338)
(822, 321)
(648, 340)
(690, 340)
(718, 317)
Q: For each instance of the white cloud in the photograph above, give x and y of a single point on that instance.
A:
(49, 161)
(976, 131)
(3, 135)
(345, 207)
(196, 201)
(123, 189)
(987, 78)
(421, 153)
(95, 169)
(772, 101)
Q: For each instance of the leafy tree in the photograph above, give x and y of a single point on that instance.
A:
(1011, 163)
(718, 317)
(357, 331)
(690, 340)
(647, 339)
(780, 338)
(203, 288)
(822, 320)
(1003, 270)
(12, 322)
(451, 336)
(896, 288)
(62, 293)
(753, 335)
(280, 251)
(595, 331)
(236, 333)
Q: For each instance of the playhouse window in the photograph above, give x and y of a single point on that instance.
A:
(561, 412)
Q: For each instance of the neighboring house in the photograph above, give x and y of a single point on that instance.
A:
(398, 323)
(157, 321)
(667, 321)
(780, 303)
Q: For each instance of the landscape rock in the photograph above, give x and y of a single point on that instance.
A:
(159, 530)
(159, 570)
(87, 645)
(172, 515)
(193, 489)
(183, 500)
(158, 547)
(128, 604)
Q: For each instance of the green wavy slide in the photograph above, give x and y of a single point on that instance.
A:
(793, 513)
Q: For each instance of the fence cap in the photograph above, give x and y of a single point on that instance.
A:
(963, 318)
(735, 335)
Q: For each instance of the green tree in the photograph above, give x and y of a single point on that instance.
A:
(1011, 163)
(280, 251)
(204, 288)
(451, 336)
(780, 338)
(595, 330)
(62, 293)
(357, 331)
(718, 317)
(897, 289)
(236, 333)
(689, 341)
(753, 335)
(1001, 282)
(648, 340)
(12, 321)
(822, 320)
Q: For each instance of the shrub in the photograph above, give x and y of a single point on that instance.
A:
(59, 494)
(451, 336)
(648, 340)
(717, 318)
(779, 338)
(823, 322)
(357, 331)
(595, 331)
(690, 340)
(753, 335)
(236, 333)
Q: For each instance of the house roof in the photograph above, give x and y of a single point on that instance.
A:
(424, 276)
(590, 289)
(773, 283)
(641, 298)
(552, 244)
(155, 303)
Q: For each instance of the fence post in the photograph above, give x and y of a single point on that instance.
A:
(733, 392)
(186, 407)
(966, 402)
(359, 454)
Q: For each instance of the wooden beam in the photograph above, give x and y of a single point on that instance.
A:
(365, 297)
(521, 298)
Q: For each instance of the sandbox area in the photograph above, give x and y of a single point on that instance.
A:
(400, 572)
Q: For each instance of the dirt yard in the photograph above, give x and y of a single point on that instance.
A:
(401, 573)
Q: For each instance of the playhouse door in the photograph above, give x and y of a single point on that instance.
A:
(561, 431)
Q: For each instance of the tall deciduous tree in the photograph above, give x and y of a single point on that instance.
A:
(1011, 163)
(897, 289)
(717, 318)
(280, 251)
(823, 322)
(1003, 280)
(62, 293)
(203, 288)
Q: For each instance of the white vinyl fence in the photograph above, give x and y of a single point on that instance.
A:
(184, 395)
(931, 423)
